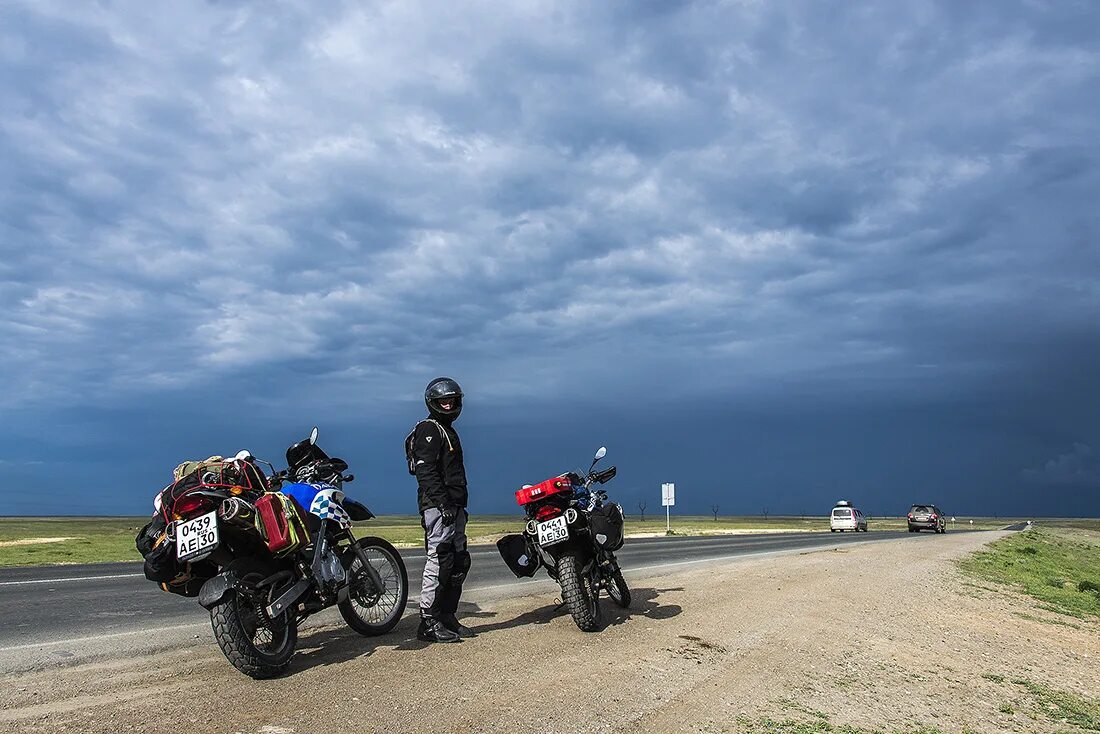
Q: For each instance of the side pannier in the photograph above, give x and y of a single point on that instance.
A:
(283, 524)
(607, 526)
(158, 548)
(517, 552)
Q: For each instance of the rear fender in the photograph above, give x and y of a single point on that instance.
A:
(577, 544)
(215, 589)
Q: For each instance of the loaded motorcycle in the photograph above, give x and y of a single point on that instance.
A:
(573, 532)
(262, 553)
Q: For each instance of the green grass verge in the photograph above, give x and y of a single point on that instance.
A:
(1060, 706)
(91, 540)
(1028, 697)
(107, 539)
(821, 725)
(1076, 523)
(1042, 700)
(1059, 566)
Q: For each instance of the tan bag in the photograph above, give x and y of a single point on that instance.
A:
(188, 467)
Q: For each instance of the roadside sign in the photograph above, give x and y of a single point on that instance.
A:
(668, 499)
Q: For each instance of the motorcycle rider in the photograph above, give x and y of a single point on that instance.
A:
(436, 458)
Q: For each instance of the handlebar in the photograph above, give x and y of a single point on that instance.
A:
(325, 468)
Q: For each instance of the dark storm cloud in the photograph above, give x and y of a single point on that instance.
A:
(1080, 466)
(313, 209)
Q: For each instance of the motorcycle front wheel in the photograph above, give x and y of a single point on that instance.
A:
(618, 590)
(369, 610)
(580, 594)
(253, 643)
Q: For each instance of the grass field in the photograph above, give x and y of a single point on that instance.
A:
(1058, 564)
(26, 541)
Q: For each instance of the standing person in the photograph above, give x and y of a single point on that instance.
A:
(435, 456)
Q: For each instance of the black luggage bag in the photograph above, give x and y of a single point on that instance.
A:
(607, 526)
(517, 552)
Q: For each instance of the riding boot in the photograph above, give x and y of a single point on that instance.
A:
(449, 606)
(451, 622)
(432, 630)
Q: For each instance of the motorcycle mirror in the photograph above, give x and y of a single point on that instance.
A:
(602, 452)
(313, 437)
(349, 478)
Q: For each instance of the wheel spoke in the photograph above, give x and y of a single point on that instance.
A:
(375, 606)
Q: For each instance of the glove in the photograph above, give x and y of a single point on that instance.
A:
(448, 514)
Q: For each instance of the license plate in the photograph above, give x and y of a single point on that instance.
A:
(553, 531)
(197, 536)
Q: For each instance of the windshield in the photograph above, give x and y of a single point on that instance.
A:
(842, 512)
(921, 509)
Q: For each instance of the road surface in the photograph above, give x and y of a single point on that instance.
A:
(66, 613)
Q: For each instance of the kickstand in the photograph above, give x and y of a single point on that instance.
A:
(560, 605)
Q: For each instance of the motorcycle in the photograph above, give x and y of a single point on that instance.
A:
(573, 532)
(270, 551)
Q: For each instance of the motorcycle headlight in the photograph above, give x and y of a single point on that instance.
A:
(570, 516)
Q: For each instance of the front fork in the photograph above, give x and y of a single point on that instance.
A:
(376, 583)
(291, 596)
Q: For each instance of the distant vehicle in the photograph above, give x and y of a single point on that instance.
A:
(926, 517)
(845, 517)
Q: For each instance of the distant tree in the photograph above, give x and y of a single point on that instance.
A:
(765, 513)
(714, 510)
(641, 509)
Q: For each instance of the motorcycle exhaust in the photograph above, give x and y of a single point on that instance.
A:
(238, 512)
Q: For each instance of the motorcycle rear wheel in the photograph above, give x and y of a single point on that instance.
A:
(257, 646)
(368, 611)
(579, 593)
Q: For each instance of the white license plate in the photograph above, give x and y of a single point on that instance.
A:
(553, 531)
(197, 536)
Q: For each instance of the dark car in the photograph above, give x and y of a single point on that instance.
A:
(926, 517)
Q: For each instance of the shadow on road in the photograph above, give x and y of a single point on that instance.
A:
(644, 604)
(334, 646)
(331, 646)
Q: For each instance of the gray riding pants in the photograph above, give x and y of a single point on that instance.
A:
(447, 564)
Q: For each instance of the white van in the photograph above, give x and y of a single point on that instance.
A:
(845, 517)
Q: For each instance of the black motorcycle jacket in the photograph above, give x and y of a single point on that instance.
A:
(437, 460)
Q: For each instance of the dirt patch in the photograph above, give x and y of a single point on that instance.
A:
(885, 636)
(33, 541)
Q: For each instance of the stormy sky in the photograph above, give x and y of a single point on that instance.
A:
(778, 253)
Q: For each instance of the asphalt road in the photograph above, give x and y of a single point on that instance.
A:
(58, 612)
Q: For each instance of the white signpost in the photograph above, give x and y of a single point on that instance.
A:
(668, 499)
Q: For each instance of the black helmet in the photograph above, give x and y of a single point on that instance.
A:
(437, 390)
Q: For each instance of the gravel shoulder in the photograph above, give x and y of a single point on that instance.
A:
(818, 639)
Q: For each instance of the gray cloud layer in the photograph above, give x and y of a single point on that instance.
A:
(681, 200)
